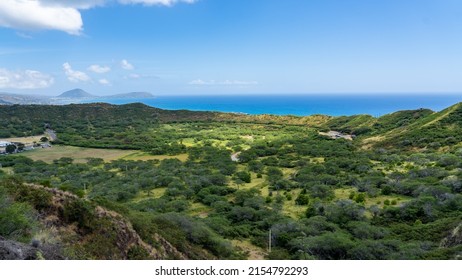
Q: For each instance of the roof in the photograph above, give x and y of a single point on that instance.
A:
(4, 143)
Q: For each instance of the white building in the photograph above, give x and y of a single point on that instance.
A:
(4, 143)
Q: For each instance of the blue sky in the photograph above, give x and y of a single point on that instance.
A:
(230, 46)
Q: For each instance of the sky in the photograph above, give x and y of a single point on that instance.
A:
(176, 47)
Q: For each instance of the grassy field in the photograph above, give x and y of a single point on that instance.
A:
(378, 200)
(24, 140)
(80, 155)
(137, 155)
(7, 170)
(200, 210)
(155, 193)
(254, 252)
(290, 207)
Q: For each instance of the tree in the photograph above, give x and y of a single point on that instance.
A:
(244, 176)
(360, 198)
(20, 146)
(327, 246)
(302, 199)
(44, 139)
(256, 166)
(10, 149)
(344, 211)
(274, 174)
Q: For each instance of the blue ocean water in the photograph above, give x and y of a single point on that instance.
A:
(300, 105)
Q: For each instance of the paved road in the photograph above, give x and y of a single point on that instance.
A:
(235, 157)
(52, 134)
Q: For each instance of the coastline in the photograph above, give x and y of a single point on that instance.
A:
(296, 105)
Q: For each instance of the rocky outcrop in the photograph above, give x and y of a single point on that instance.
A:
(128, 238)
(12, 250)
(124, 236)
(454, 238)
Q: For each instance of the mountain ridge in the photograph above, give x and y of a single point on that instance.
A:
(70, 96)
(75, 93)
(421, 128)
(78, 93)
(409, 160)
(128, 95)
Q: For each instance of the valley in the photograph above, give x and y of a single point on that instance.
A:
(209, 185)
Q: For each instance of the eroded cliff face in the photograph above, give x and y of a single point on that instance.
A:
(122, 239)
(454, 238)
(12, 250)
(75, 228)
(128, 238)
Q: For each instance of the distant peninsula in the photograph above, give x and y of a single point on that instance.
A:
(75, 94)
(71, 96)
(81, 94)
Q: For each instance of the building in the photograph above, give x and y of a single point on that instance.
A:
(3, 144)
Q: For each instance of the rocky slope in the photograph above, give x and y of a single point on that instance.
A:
(75, 228)
(12, 250)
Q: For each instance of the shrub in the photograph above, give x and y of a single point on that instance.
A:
(80, 212)
(138, 253)
(16, 220)
(302, 199)
(244, 176)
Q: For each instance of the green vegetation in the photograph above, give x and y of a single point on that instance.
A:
(171, 175)
(81, 155)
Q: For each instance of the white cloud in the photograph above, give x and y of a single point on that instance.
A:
(28, 79)
(34, 14)
(77, 4)
(104, 82)
(200, 82)
(156, 2)
(126, 65)
(74, 76)
(99, 69)
(134, 76)
(24, 35)
(239, 83)
(58, 14)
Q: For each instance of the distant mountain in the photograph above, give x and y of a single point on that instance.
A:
(71, 96)
(12, 98)
(76, 94)
(2, 102)
(130, 95)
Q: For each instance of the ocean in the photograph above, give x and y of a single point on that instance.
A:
(300, 105)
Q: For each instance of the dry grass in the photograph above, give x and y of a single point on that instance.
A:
(454, 108)
(317, 160)
(80, 155)
(24, 140)
(344, 193)
(152, 194)
(200, 210)
(146, 156)
(7, 170)
(291, 209)
(258, 183)
(254, 252)
(368, 143)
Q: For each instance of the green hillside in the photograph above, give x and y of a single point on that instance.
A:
(440, 129)
(209, 185)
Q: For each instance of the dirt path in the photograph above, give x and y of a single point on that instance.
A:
(235, 157)
(52, 134)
